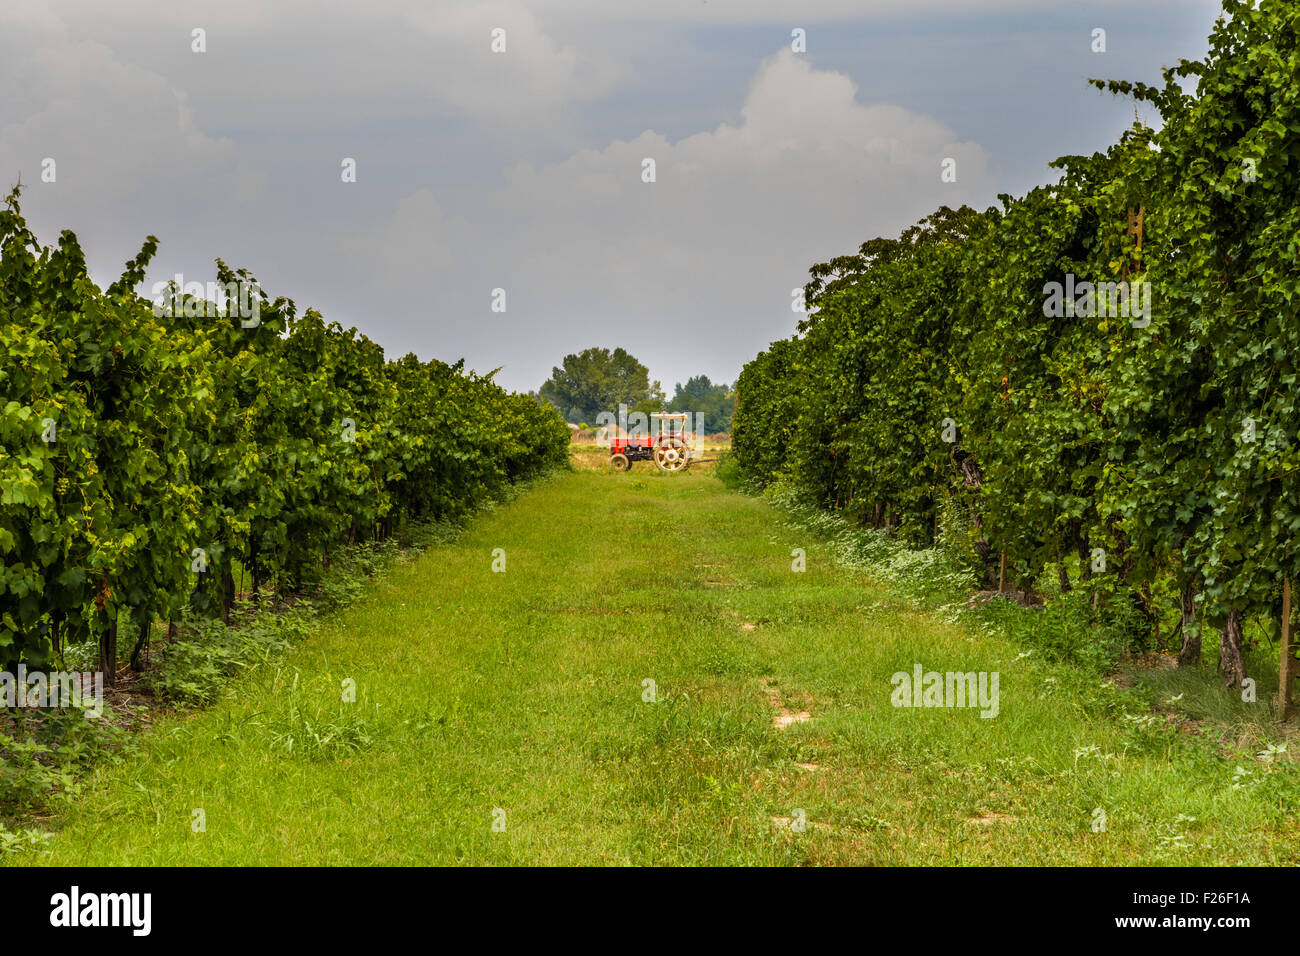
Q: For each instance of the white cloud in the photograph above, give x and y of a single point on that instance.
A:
(533, 77)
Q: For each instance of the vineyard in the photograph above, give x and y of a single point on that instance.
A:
(991, 562)
(146, 452)
(1090, 391)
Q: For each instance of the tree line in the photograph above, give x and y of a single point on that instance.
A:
(598, 380)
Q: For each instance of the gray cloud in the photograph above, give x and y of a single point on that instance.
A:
(522, 170)
(588, 252)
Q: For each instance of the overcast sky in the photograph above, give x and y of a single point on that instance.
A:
(523, 170)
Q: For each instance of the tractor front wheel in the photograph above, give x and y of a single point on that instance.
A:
(671, 454)
(620, 462)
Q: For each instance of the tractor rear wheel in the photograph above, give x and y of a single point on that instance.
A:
(620, 462)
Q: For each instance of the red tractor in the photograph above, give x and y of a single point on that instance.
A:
(667, 446)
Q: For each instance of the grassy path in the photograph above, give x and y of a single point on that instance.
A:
(523, 691)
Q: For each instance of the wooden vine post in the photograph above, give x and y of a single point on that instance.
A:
(1287, 670)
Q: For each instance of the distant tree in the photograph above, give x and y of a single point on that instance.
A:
(715, 402)
(597, 380)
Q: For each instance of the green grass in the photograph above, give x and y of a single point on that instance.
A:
(523, 691)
